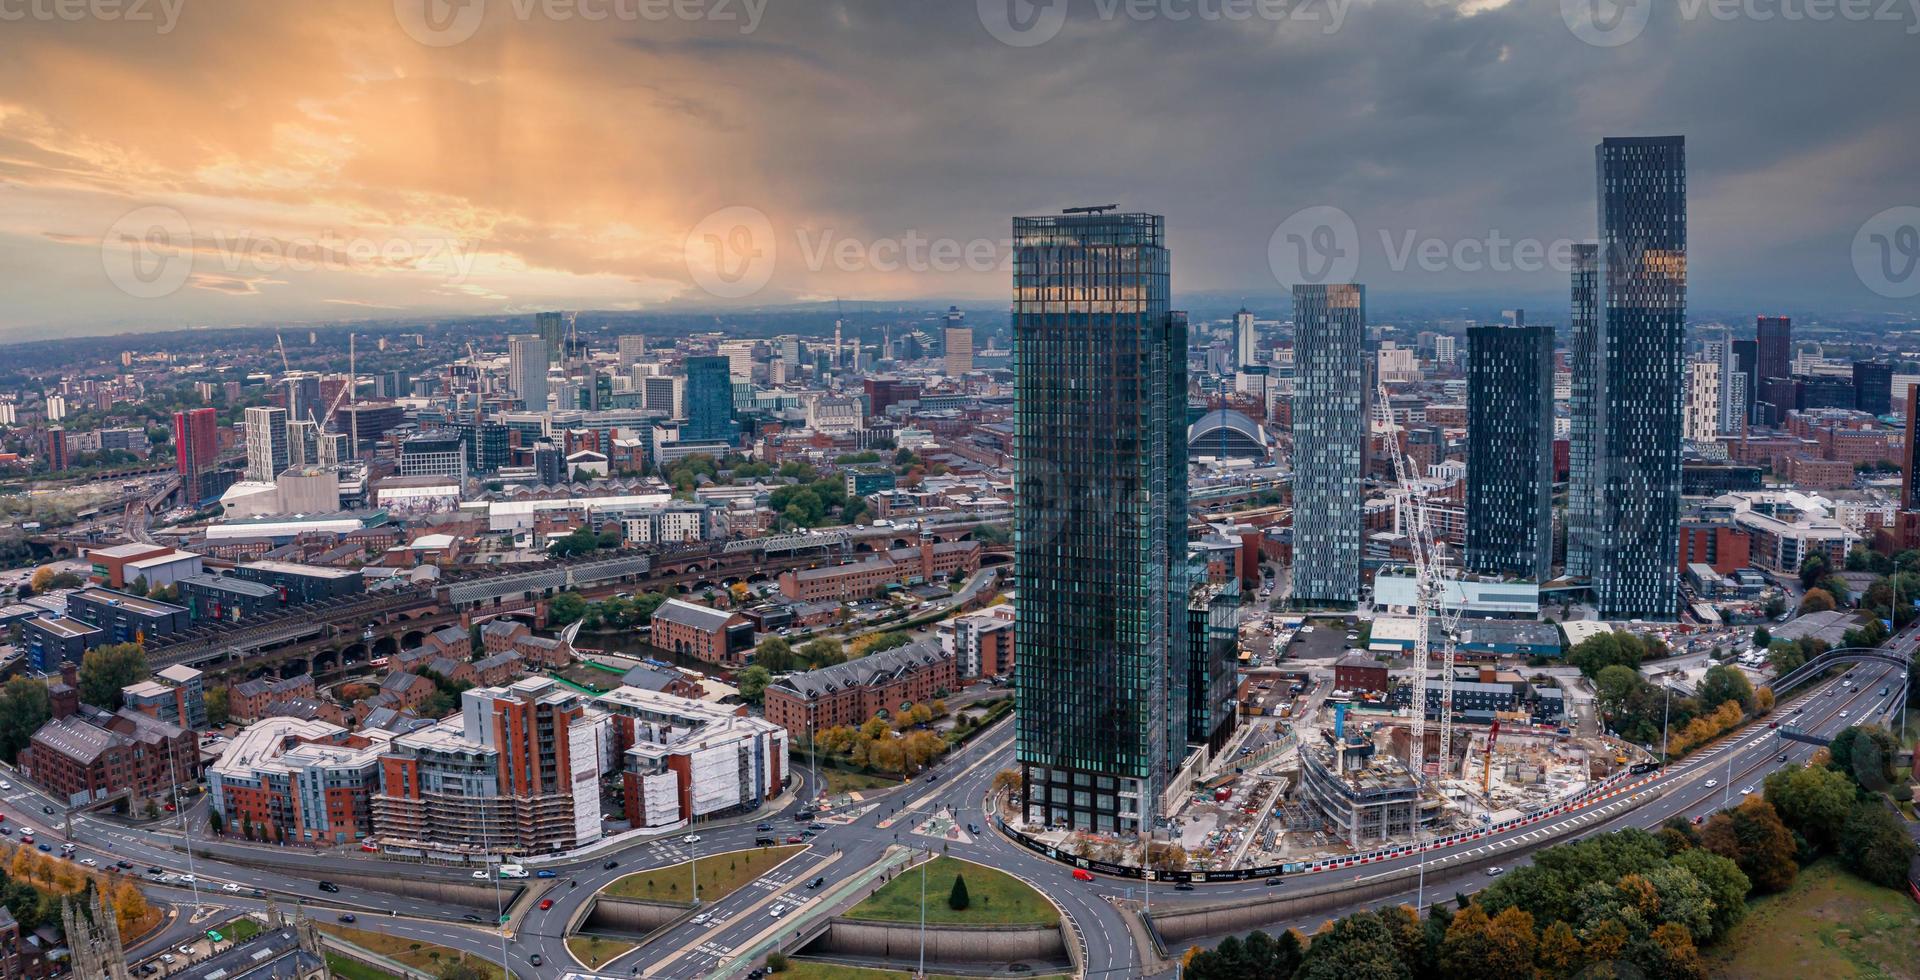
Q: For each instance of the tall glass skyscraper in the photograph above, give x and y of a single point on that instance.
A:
(527, 370)
(1583, 489)
(1639, 375)
(1510, 450)
(709, 400)
(1332, 390)
(1100, 520)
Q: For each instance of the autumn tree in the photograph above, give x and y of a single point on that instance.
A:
(1557, 953)
(107, 669)
(1813, 801)
(1752, 836)
(1482, 945)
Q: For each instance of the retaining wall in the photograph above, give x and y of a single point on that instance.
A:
(626, 916)
(900, 942)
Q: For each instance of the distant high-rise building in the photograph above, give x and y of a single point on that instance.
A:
(1774, 336)
(56, 407)
(1510, 451)
(527, 361)
(551, 328)
(1444, 352)
(709, 400)
(1746, 360)
(959, 344)
(267, 449)
(196, 445)
(59, 456)
(1873, 387)
(1583, 490)
(1100, 520)
(1700, 416)
(303, 442)
(633, 347)
(301, 390)
(1910, 462)
(1246, 340)
(739, 355)
(1638, 372)
(1330, 405)
(434, 454)
(1733, 387)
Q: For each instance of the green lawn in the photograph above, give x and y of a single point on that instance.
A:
(810, 970)
(996, 898)
(242, 929)
(720, 875)
(418, 955)
(1829, 925)
(595, 950)
(345, 969)
(840, 781)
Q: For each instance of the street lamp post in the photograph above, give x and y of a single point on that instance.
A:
(923, 915)
(180, 815)
(1666, 712)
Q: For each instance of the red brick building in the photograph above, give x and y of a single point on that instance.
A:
(703, 633)
(1357, 673)
(852, 692)
(898, 566)
(1724, 548)
(297, 781)
(83, 754)
(248, 700)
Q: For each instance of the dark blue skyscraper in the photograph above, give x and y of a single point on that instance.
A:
(1638, 377)
(1100, 539)
(1583, 491)
(709, 400)
(1331, 393)
(1510, 451)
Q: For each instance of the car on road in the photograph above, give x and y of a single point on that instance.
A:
(535, 959)
(329, 887)
(5, 785)
(1082, 874)
(817, 882)
(123, 865)
(546, 873)
(777, 911)
(1843, 714)
(370, 849)
(690, 839)
(348, 917)
(89, 862)
(610, 865)
(1783, 757)
(1711, 783)
(470, 917)
(1184, 886)
(816, 826)
(763, 826)
(478, 875)
(46, 809)
(230, 887)
(1747, 791)
(47, 848)
(1496, 872)
(545, 904)
(795, 839)
(701, 919)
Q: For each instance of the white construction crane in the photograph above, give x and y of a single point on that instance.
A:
(1429, 602)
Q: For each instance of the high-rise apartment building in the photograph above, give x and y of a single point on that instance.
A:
(1636, 345)
(1332, 393)
(196, 445)
(527, 361)
(551, 328)
(959, 344)
(1746, 360)
(267, 449)
(301, 391)
(1246, 340)
(708, 399)
(740, 355)
(1510, 451)
(517, 772)
(1774, 335)
(633, 347)
(1100, 519)
(1700, 417)
(1873, 387)
(59, 454)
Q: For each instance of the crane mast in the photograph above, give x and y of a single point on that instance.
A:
(1429, 601)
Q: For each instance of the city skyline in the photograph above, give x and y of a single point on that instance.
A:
(419, 200)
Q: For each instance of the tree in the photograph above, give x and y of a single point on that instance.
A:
(823, 652)
(1762, 638)
(1875, 846)
(1478, 944)
(24, 707)
(216, 822)
(957, 898)
(753, 683)
(1817, 600)
(218, 711)
(1813, 569)
(107, 669)
(1752, 836)
(129, 907)
(1669, 953)
(1723, 684)
(775, 654)
(42, 579)
(1727, 886)
(1813, 801)
(1866, 755)
(1357, 947)
(1558, 952)
(565, 608)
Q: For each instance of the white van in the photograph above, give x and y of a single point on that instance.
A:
(513, 871)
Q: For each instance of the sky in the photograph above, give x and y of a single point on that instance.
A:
(190, 163)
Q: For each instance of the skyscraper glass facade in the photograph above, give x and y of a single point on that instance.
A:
(1331, 394)
(1640, 377)
(1583, 490)
(1100, 522)
(1510, 451)
(709, 400)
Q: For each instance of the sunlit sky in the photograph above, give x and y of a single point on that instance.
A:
(238, 162)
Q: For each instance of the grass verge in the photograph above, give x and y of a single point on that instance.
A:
(1829, 924)
(426, 957)
(994, 898)
(346, 969)
(595, 950)
(841, 781)
(720, 875)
